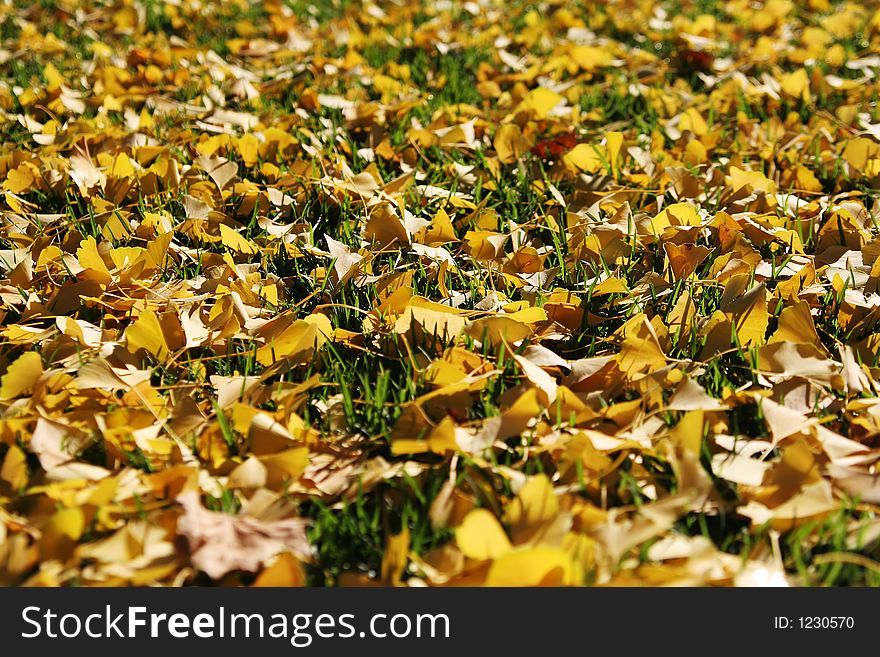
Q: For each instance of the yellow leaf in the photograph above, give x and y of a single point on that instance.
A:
(440, 440)
(15, 471)
(54, 79)
(285, 571)
(796, 325)
(429, 322)
(396, 556)
(692, 121)
(61, 534)
(640, 352)
(298, 342)
(480, 536)
(771, 13)
(146, 333)
(249, 149)
(516, 419)
(385, 228)
(613, 142)
(796, 85)
(122, 167)
(509, 143)
(286, 466)
(806, 180)
(19, 181)
(612, 285)
(21, 375)
(441, 230)
(685, 258)
(688, 433)
(126, 257)
(583, 157)
(534, 508)
(157, 249)
(530, 315)
(270, 293)
(92, 262)
(540, 101)
(756, 180)
(538, 566)
(695, 153)
(232, 239)
(859, 151)
(749, 315)
(485, 244)
(498, 329)
(677, 214)
(589, 58)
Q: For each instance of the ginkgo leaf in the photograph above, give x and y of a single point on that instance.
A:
(641, 351)
(233, 239)
(285, 467)
(584, 157)
(91, 260)
(248, 148)
(509, 142)
(860, 151)
(540, 101)
(685, 258)
(345, 264)
(499, 329)
(439, 439)
(796, 325)
(396, 556)
(543, 381)
(677, 214)
(754, 180)
(19, 180)
(692, 120)
(613, 144)
(538, 566)
(797, 85)
(21, 375)
(297, 342)
(223, 174)
(14, 470)
(440, 231)
(61, 534)
(749, 316)
(285, 571)
(551, 283)
(480, 536)
(146, 333)
(431, 322)
(535, 506)
(590, 58)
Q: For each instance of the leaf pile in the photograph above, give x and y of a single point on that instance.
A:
(439, 293)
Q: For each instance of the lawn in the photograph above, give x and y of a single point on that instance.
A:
(412, 293)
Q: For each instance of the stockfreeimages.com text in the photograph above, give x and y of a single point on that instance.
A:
(300, 629)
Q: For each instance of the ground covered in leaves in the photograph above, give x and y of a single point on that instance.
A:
(439, 293)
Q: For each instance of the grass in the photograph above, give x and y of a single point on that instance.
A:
(374, 380)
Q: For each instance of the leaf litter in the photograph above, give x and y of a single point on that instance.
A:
(483, 293)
